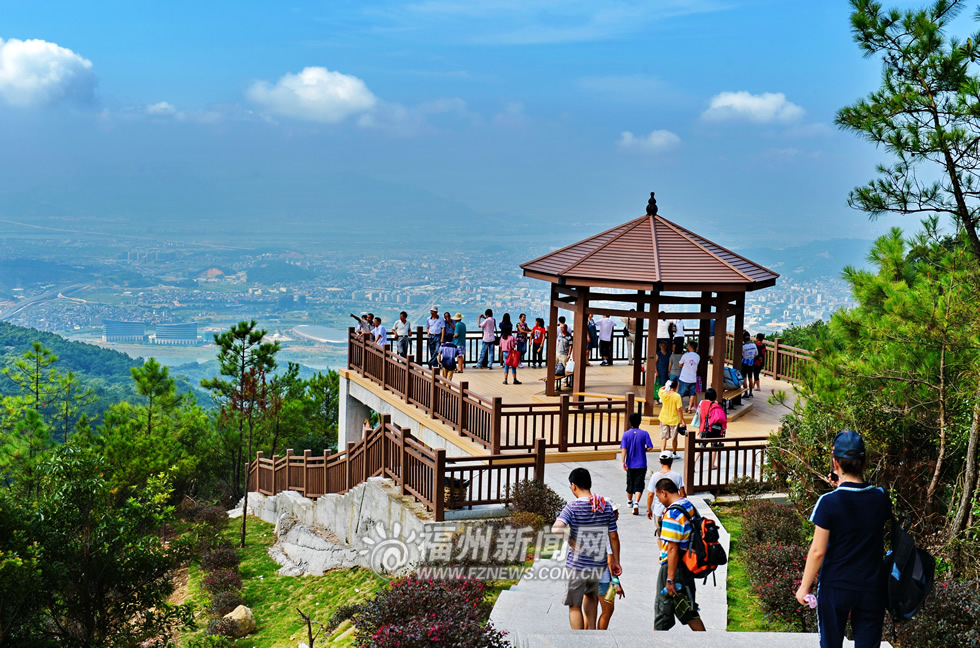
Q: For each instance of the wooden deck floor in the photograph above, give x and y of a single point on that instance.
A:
(615, 381)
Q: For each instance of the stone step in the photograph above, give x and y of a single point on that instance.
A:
(675, 637)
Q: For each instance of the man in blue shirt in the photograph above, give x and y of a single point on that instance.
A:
(591, 526)
(847, 550)
(636, 444)
(379, 332)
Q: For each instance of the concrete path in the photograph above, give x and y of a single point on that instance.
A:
(534, 617)
(538, 605)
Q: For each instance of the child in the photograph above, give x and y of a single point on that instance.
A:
(508, 346)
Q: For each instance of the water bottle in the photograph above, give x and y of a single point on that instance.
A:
(677, 587)
(811, 600)
(611, 592)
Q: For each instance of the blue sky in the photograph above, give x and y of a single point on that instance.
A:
(557, 111)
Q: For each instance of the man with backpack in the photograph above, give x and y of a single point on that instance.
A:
(847, 550)
(675, 584)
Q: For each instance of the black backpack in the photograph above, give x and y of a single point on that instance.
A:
(910, 572)
(704, 553)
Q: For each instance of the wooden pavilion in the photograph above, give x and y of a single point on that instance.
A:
(642, 264)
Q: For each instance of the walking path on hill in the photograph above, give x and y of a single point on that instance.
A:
(535, 607)
(534, 617)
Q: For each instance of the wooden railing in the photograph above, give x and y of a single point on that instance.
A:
(390, 451)
(735, 457)
(782, 362)
(490, 422)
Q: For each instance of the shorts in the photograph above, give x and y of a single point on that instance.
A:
(681, 606)
(756, 371)
(605, 348)
(583, 582)
(687, 389)
(747, 370)
(668, 431)
(604, 582)
(635, 479)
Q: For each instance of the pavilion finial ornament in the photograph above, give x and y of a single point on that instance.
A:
(652, 206)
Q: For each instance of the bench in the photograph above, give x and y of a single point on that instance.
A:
(567, 377)
(608, 397)
(732, 398)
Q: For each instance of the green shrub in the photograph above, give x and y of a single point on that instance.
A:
(949, 619)
(745, 487)
(768, 522)
(530, 496)
(528, 519)
(344, 612)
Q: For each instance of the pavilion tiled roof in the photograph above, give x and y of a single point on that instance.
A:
(650, 250)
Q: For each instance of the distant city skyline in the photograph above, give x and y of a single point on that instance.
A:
(539, 112)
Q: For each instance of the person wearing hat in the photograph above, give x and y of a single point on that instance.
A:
(433, 327)
(655, 510)
(847, 550)
(459, 338)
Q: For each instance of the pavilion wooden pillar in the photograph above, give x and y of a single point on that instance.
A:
(721, 337)
(638, 345)
(580, 347)
(739, 328)
(650, 391)
(704, 337)
(550, 341)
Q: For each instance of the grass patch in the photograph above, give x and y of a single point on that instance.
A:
(274, 598)
(745, 613)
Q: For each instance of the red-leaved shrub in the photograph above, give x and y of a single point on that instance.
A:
(949, 619)
(767, 522)
(222, 580)
(775, 570)
(414, 612)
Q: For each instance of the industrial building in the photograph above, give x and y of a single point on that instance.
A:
(119, 331)
(176, 334)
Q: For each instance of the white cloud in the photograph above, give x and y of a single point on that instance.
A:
(762, 108)
(316, 94)
(657, 141)
(161, 109)
(512, 116)
(36, 72)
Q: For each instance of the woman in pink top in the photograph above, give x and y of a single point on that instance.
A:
(714, 421)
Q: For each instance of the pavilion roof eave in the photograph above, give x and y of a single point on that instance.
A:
(717, 286)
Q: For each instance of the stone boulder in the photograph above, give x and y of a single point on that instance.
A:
(239, 622)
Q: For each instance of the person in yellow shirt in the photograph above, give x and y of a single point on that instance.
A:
(671, 415)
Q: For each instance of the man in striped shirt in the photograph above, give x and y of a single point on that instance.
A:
(675, 587)
(590, 523)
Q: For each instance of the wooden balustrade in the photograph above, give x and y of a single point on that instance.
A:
(733, 458)
(392, 452)
(782, 362)
(493, 424)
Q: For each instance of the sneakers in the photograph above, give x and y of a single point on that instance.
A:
(517, 382)
(505, 382)
(636, 509)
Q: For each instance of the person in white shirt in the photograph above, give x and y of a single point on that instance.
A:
(606, 328)
(689, 375)
(380, 333)
(655, 510)
(678, 331)
(402, 331)
(434, 326)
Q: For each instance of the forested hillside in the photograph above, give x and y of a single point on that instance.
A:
(104, 371)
